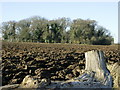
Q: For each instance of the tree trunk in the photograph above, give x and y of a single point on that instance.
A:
(95, 62)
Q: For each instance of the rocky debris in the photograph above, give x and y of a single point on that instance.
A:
(44, 83)
(29, 82)
(9, 87)
(87, 80)
(115, 72)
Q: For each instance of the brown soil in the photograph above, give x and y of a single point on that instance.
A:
(54, 61)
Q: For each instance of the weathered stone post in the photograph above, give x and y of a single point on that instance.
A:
(95, 62)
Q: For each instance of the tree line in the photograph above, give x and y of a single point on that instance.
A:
(61, 30)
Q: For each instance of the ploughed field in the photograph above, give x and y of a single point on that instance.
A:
(54, 61)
